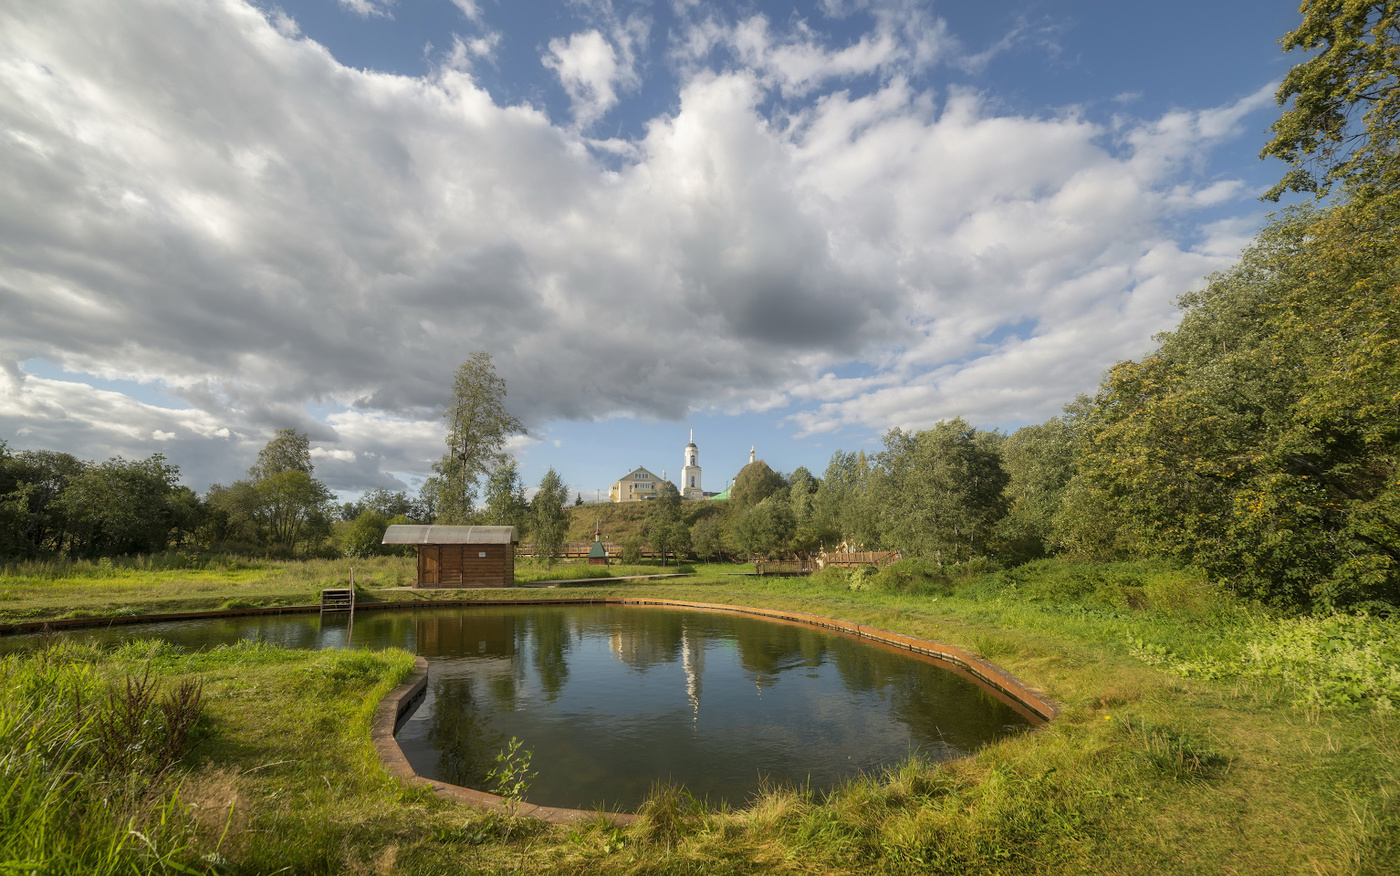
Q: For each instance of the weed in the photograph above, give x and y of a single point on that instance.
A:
(1179, 756)
(511, 776)
(137, 737)
(668, 812)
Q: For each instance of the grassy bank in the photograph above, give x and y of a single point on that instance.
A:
(1197, 736)
(175, 582)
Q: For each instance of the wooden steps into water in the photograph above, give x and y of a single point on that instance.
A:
(338, 599)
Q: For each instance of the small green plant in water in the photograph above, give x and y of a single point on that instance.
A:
(510, 777)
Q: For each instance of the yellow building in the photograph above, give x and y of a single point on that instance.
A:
(635, 486)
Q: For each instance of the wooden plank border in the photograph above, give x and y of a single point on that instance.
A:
(399, 703)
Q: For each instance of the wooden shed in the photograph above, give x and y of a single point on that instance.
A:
(460, 556)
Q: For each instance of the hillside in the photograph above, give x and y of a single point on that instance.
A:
(625, 519)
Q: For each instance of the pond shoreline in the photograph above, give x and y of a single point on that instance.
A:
(1041, 709)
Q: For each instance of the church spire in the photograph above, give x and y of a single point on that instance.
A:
(690, 473)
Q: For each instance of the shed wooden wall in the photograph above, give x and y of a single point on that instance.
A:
(461, 565)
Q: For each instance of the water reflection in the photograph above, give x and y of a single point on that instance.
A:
(609, 699)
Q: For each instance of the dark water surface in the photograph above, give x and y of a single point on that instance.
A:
(610, 699)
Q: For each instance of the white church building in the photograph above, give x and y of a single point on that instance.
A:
(640, 484)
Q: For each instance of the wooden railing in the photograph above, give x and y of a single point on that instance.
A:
(849, 559)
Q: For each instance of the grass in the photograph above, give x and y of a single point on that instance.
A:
(43, 590)
(174, 582)
(1190, 742)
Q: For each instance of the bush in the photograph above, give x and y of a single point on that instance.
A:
(631, 550)
(918, 576)
(832, 577)
(365, 535)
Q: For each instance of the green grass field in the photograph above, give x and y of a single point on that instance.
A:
(1197, 735)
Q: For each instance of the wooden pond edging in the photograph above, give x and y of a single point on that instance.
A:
(399, 704)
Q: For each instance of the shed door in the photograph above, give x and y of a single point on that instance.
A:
(429, 563)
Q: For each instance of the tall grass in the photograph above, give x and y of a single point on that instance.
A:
(62, 808)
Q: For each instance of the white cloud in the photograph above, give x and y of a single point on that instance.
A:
(468, 8)
(590, 71)
(198, 196)
(370, 8)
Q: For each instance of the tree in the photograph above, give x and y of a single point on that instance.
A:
(765, 529)
(664, 529)
(292, 507)
(706, 537)
(231, 514)
(843, 507)
(1355, 68)
(477, 428)
(802, 491)
(547, 509)
(280, 503)
(939, 491)
(1039, 462)
(389, 503)
(506, 504)
(14, 507)
(631, 553)
(122, 507)
(32, 483)
(287, 450)
(366, 535)
(1261, 441)
(754, 483)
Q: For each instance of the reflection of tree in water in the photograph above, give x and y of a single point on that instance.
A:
(922, 701)
(645, 638)
(458, 731)
(767, 649)
(920, 696)
(551, 652)
(863, 668)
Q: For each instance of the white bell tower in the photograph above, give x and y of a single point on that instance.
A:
(690, 474)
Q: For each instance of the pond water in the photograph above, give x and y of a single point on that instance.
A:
(609, 699)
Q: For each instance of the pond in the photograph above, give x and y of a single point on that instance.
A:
(610, 698)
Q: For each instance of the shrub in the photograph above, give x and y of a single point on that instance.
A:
(365, 535)
(919, 576)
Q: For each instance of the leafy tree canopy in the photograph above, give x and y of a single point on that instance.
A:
(550, 522)
(478, 425)
(754, 483)
(1354, 71)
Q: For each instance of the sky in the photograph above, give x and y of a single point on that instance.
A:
(782, 226)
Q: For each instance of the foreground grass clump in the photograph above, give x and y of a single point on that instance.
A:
(86, 757)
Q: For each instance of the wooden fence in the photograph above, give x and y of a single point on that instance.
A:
(578, 550)
(878, 559)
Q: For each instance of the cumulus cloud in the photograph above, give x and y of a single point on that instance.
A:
(197, 196)
(591, 72)
(371, 8)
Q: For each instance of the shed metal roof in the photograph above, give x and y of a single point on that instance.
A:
(417, 534)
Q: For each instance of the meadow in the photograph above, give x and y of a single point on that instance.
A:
(1198, 734)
